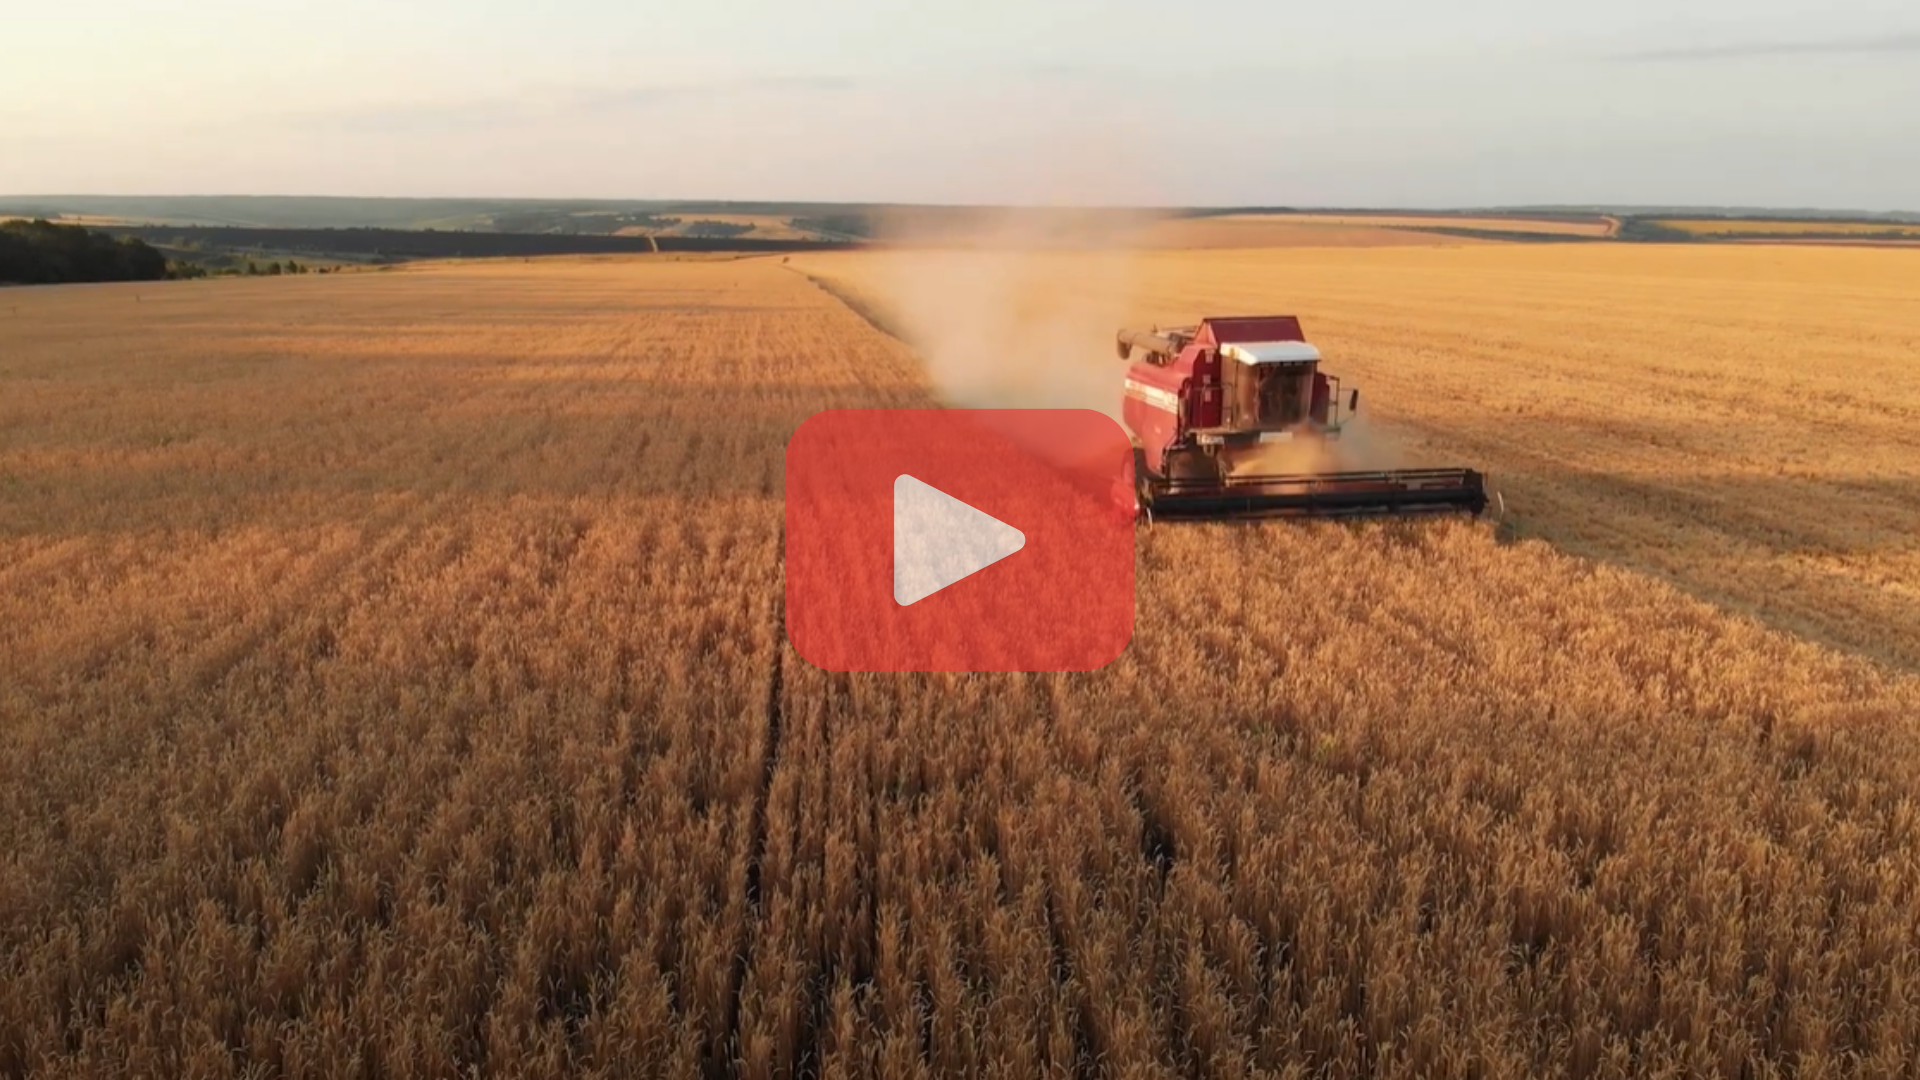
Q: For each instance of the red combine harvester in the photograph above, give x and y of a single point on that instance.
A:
(1211, 405)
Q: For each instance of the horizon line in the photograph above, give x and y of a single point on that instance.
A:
(1715, 209)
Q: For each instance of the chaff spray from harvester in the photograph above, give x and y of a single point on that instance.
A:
(1209, 404)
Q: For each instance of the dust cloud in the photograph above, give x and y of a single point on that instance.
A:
(1361, 446)
(1016, 305)
(1015, 308)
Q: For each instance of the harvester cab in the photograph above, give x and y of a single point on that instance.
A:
(1233, 418)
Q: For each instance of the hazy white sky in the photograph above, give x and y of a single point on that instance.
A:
(1362, 102)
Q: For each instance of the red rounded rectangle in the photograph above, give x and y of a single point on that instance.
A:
(959, 540)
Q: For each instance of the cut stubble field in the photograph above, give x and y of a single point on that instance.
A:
(396, 687)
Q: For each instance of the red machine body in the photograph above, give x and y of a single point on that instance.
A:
(1193, 387)
(1209, 404)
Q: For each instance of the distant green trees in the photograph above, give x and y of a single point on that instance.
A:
(275, 269)
(42, 253)
(857, 226)
(576, 222)
(1650, 231)
(721, 230)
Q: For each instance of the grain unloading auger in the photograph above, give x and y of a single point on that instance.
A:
(1233, 418)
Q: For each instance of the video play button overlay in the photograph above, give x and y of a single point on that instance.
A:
(958, 540)
(938, 540)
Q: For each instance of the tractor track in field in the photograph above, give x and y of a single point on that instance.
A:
(852, 302)
(757, 832)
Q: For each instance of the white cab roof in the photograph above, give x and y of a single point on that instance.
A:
(1271, 352)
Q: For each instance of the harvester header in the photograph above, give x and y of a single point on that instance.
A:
(1210, 404)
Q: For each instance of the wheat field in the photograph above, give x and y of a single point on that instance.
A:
(396, 687)
(1740, 422)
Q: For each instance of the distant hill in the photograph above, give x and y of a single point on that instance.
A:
(429, 228)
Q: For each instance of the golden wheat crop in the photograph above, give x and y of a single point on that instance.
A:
(387, 662)
(395, 688)
(1739, 421)
(1391, 800)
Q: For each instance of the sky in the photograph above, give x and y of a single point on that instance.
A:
(1404, 103)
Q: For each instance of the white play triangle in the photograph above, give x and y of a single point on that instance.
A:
(937, 540)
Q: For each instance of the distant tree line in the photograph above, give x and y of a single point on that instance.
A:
(274, 269)
(854, 225)
(1509, 236)
(397, 244)
(575, 223)
(42, 253)
(564, 223)
(1657, 231)
(719, 230)
(1650, 231)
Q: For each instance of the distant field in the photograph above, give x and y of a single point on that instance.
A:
(1558, 227)
(66, 220)
(1112, 229)
(756, 226)
(1284, 231)
(1227, 231)
(96, 220)
(91, 221)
